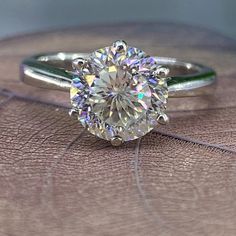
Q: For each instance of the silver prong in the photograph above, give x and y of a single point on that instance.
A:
(163, 119)
(72, 112)
(162, 71)
(116, 141)
(79, 63)
(120, 46)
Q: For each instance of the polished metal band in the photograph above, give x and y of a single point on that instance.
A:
(54, 71)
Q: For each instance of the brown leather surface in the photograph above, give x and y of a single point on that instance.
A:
(57, 179)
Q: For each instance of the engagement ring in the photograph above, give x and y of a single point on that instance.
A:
(118, 93)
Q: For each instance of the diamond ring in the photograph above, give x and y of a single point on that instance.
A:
(118, 93)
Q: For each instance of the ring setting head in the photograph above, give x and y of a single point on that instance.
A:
(119, 92)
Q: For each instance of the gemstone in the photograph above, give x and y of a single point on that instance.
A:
(117, 93)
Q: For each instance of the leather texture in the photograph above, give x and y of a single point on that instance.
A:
(56, 179)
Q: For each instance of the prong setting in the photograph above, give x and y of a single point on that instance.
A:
(163, 119)
(73, 112)
(79, 63)
(162, 71)
(120, 46)
(116, 141)
(117, 93)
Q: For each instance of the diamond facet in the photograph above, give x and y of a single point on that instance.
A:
(117, 93)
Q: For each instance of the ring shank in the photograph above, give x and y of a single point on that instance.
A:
(54, 71)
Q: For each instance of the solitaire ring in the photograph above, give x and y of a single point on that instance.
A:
(118, 93)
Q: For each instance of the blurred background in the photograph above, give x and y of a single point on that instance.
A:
(20, 16)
